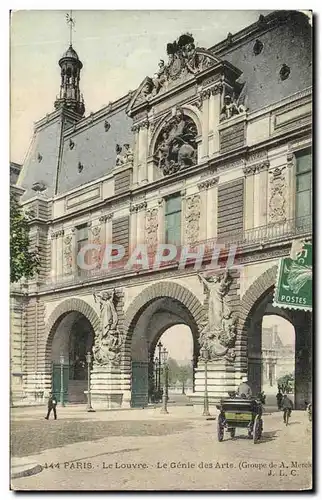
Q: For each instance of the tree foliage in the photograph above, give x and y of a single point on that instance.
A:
(179, 373)
(286, 383)
(24, 262)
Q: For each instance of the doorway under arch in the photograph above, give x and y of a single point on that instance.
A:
(301, 322)
(72, 337)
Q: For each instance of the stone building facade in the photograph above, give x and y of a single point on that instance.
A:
(209, 150)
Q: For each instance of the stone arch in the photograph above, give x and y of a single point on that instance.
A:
(254, 293)
(190, 111)
(65, 307)
(161, 290)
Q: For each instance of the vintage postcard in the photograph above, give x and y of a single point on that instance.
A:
(161, 250)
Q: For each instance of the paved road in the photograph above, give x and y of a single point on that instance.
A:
(143, 450)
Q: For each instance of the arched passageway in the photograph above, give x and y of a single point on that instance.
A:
(158, 308)
(70, 335)
(301, 322)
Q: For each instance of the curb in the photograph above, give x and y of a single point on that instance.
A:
(31, 470)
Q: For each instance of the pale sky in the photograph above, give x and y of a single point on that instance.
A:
(118, 50)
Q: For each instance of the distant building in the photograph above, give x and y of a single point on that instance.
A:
(278, 359)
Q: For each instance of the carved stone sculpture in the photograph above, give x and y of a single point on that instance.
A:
(277, 202)
(151, 230)
(176, 145)
(231, 108)
(126, 157)
(192, 219)
(184, 59)
(108, 343)
(68, 254)
(218, 335)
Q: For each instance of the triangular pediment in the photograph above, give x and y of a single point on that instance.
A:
(185, 62)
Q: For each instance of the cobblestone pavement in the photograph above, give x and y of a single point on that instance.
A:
(184, 455)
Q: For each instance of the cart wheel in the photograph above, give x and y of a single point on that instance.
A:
(257, 429)
(220, 428)
(232, 432)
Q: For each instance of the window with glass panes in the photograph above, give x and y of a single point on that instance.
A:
(82, 240)
(303, 202)
(173, 220)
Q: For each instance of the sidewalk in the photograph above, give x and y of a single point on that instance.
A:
(80, 411)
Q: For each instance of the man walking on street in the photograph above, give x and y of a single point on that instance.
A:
(52, 403)
(287, 407)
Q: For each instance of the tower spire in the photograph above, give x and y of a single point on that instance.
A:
(70, 64)
(71, 21)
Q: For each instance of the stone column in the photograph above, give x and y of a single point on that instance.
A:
(202, 186)
(53, 271)
(135, 130)
(143, 152)
(161, 228)
(59, 265)
(212, 208)
(183, 217)
(141, 210)
(133, 228)
(215, 113)
(291, 171)
(249, 197)
(262, 169)
(205, 95)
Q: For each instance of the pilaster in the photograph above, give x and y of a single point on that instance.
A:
(216, 105)
(249, 197)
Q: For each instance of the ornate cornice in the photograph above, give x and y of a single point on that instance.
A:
(106, 217)
(254, 169)
(208, 183)
(57, 234)
(138, 207)
(138, 126)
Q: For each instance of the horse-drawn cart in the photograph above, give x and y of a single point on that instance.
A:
(240, 413)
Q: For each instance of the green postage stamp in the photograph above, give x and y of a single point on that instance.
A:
(293, 288)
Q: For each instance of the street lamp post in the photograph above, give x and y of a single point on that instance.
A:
(205, 356)
(62, 360)
(89, 395)
(159, 365)
(156, 383)
(164, 408)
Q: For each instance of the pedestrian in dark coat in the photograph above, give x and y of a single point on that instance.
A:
(287, 406)
(279, 398)
(52, 403)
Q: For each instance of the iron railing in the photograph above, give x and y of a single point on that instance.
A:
(262, 235)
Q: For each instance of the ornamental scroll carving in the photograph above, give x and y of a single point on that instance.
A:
(96, 240)
(184, 60)
(218, 334)
(108, 344)
(192, 219)
(151, 229)
(68, 254)
(176, 146)
(277, 202)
